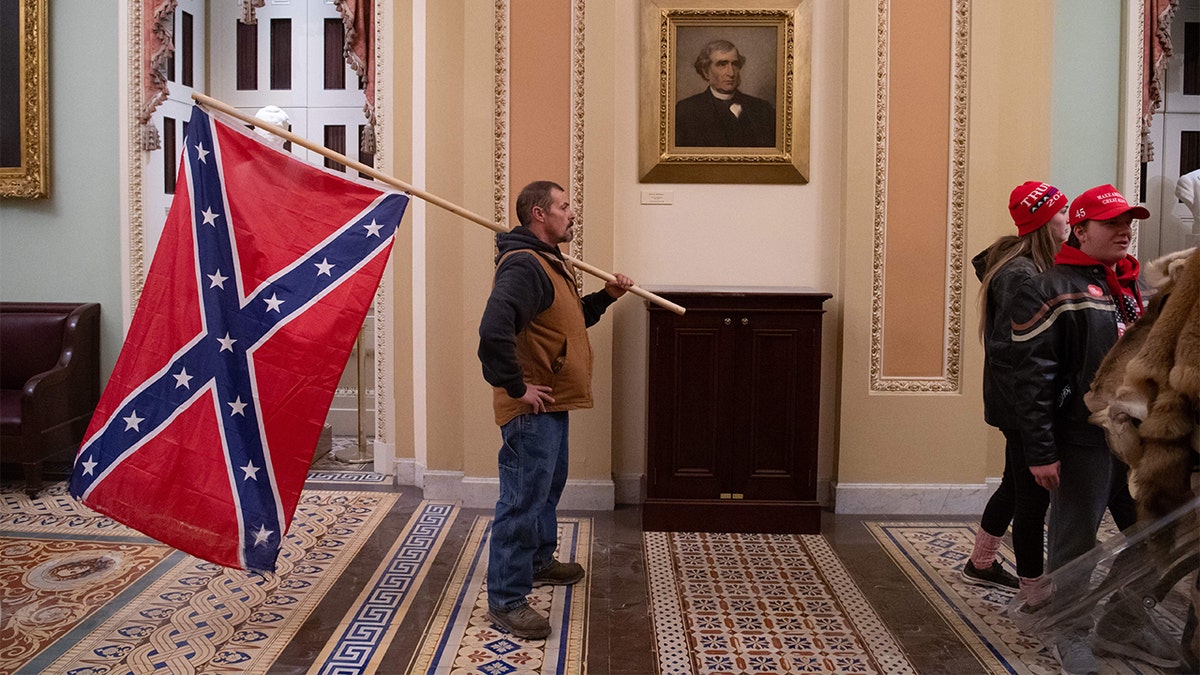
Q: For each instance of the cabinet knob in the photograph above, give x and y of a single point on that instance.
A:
(728, 321)
(745, 321)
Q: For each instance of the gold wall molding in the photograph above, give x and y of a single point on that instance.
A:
(135, 221)
(950, 380)
(500, 118)
(577, 99)
(383, 312)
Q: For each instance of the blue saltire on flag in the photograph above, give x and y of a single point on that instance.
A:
(260, 283)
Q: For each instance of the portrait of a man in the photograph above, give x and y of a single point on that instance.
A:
(722, 115)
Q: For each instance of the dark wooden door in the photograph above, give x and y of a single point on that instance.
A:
(691, 382)
(773, 433)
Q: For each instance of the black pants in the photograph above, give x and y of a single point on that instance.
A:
(1021, 501)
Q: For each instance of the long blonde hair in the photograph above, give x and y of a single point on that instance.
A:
(1040, 246)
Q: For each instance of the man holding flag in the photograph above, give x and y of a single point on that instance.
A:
(534, 348)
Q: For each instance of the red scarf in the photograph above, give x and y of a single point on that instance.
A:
(1121, 282)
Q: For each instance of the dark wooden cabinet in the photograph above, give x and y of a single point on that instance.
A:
(733, 406)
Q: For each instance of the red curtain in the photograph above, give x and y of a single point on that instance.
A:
(158, 44)
(158, 25)
(358, 19)
(1156, 49)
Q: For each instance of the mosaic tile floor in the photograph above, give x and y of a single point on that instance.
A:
(376, 605)
(932, 554)
(760, 603)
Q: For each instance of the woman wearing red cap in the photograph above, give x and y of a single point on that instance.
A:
(1064, 322)
(1039, 211)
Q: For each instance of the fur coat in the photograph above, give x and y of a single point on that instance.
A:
(1146, 393)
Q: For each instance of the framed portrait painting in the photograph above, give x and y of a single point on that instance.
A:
(24, 155)
(724, 93)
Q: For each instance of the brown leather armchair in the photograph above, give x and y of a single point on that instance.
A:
(49, 381)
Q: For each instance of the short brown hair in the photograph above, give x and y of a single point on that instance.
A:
(536, 193)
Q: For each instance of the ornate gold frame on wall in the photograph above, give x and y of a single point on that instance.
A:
(950, 381)
(500, 159)
(660, 160)
(31, 178)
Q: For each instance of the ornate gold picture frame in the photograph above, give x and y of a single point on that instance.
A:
(24, 116)
(685, 135)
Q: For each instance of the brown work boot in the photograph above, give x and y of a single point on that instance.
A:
(558, 574)
(521, 621)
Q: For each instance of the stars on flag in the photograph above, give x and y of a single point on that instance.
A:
(201, 153)
(210, 218)
(373, 228)
(182, 379)
(251, 471)
(238, 408)
(226, 343)
(273, 303)
(262, 535)
(89, 466)
(324, 267)
(218, 281)
(133, 421)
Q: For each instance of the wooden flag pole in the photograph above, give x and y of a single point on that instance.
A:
(416, 192)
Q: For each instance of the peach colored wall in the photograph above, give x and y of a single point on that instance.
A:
(539, 94)
(915, 437)
(918, 187)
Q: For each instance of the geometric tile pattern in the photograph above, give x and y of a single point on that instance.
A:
(461, 640)
(197, 617)
(932, 555)
(351, 477)
(761, 603)
(362, 638)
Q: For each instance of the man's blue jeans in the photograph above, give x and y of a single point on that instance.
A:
(533, 472)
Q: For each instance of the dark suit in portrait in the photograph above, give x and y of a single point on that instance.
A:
(705, 120)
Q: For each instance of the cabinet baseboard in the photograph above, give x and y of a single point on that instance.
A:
(731, 515)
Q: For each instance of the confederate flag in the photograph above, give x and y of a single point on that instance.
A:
(261, 281)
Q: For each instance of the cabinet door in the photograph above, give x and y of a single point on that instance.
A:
(690, 379)
(775, 405)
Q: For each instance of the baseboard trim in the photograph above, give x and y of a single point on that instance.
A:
(630, 488)
(384, 456)
(482, 493)
(912, 499)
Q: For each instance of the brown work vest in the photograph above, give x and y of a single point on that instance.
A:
(553, 350)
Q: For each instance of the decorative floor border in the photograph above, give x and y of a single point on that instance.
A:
(351, 477)
(461, 639)
(362, 638)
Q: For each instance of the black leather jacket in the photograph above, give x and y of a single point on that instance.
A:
(1063, 323)
(998, 394)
